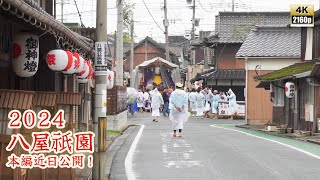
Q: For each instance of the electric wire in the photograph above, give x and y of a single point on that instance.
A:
(152, 16)
(82, 25)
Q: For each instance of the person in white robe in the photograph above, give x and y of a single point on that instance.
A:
(200, 102)
(179, 113)
(193, 101)
(140, 101)
(156, 103)
(215, 103)
(233, 106)
(208, 98)
(146, 99)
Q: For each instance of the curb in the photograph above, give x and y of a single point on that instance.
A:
(278, 135)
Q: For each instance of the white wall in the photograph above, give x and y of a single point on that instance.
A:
(270, 63)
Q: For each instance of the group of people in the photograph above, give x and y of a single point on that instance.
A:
(202, 101)
(178, 103)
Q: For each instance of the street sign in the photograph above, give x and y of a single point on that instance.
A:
(101, 61)
(302, 15)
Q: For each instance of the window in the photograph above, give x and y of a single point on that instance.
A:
(304, 97)
(278, 96)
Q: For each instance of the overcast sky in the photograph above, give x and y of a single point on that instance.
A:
(179, 13)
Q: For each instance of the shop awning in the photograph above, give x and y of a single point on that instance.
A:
(297, 70)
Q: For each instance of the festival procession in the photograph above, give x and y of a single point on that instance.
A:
(159, 90)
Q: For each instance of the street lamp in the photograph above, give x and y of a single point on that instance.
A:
(189, 1)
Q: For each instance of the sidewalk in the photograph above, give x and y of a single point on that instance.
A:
(312, 139)
(114, 143)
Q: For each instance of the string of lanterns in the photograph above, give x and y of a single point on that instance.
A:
(26, 59)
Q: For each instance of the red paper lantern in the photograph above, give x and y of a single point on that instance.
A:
(79, 64)
(70, 69)
(59, 60)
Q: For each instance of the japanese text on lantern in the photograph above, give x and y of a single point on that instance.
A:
(31, 54)
(72, 145)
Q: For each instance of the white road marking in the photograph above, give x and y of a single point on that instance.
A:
(289, 146)
(128, 161)
(177, 153)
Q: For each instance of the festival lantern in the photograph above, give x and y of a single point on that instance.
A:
(71, 67)
(110, 79)
(59, 60)
(289, 89)
(83, 76)
(79, 63)
(25, 54)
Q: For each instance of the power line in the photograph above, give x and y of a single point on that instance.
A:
(199, 1)
(82, 25)
(152, 16)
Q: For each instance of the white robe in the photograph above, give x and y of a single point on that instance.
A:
(156, 102)
(193, 101)
(200, 103)
(179, 98)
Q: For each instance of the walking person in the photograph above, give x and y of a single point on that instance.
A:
(208, 98)
(200, 102)
(146, 99)
(165, 97)
(193, 102)
(156, 103)
(179, 113)
(215, 103)
(233, 106)
(140, 101)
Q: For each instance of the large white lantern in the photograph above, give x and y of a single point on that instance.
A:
(84, 76)
(80, 62)
(25, 54)
(110, 79)
(71, 67)
(59, 60)
(85, 72)
(289, 89)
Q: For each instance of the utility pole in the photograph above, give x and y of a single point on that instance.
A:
(232, 5)
(146, 50)
(166, 25)
(114, 50)
(119, 67)
(193, 30)
(100, 95)
(62, 3)
(131, 56)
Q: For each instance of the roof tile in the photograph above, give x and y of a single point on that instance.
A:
(272, 42)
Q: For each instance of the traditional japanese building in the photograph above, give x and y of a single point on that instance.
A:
(28, 32)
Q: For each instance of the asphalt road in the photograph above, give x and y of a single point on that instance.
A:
(210, 153)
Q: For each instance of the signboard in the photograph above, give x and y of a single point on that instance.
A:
(309, 112)
(101, 53)
(302, 15)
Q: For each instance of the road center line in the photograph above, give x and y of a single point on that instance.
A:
(289, 146)
(128, 161)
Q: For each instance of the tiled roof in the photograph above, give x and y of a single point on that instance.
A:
(233, 27)
(227, 74)
(272, 42)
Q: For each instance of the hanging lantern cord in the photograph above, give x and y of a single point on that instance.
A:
(58, 42)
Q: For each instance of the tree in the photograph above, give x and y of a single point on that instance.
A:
(126, 37)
